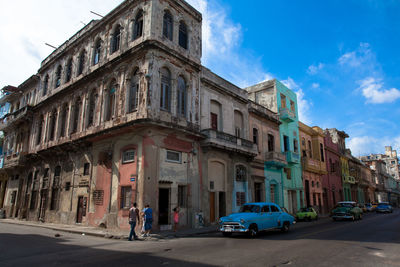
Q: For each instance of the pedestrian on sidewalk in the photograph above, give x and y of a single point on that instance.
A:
(176, 218)
(133, 218)
(148, 220)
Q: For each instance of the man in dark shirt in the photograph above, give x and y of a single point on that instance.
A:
(133, 218)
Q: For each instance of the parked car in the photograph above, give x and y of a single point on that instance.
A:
(346, 210)
(384, 207)
(370, 207)
(362, 207)
(255, 217)
(307, 214)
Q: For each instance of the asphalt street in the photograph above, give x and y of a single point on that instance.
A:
(373, 241)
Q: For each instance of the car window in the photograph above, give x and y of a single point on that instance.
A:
(265, 209)
(250, 208)
(274, 209)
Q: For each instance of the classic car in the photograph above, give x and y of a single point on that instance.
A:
(370, 207)
(255, 217)
(384, 207)
(346, 210)
(307, 214)
(362, 207)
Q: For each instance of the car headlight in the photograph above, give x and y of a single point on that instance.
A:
(242, 221)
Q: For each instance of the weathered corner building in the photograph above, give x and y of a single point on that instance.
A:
(124, 112)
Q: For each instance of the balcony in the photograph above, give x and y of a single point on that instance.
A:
(313, 165)
(292, 157)
(228, 142)
(286, 115)
(348, 179)
(14, 160)
(17, 116)
(276, 159)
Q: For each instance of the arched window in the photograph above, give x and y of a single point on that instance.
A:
(45, 85)
(63, 120)
(133, 97)
(58, 76)
(167, 25)
(215, 115)
(68, 72)
(52, 126)
(110, 104)
(81, 64)
(91, 108)
(97, 52)
(138, 25)
(183, 35)
(238, 117)
(76, 114)
(116, 39)
(181, 97)
(241, 173)
(39, 130)
(309, 149)
(165, 97)
(255, 136)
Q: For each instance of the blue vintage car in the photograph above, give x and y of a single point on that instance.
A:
(255, 217)
(384, 207)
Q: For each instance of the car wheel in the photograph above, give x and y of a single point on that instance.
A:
(226, 234)
(285, 227)
(253, 230)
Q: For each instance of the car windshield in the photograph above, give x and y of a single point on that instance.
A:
(347, 205)
(382, 204)
(304, 210)
(250, 208)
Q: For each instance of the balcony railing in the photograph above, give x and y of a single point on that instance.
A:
(277, 159)
(230, 142)
(286, 115)
(348, 179)
(11, 118)
(313, 165)
(292, 157)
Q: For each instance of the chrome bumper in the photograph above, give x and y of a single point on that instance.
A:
(233, 228)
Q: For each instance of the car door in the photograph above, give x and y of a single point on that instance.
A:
(265, 217)
(275, 216)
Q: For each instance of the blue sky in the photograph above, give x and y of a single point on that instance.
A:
(339, 56)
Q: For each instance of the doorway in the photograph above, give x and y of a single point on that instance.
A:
(163, 206)
(257, 192)
(43, 203)
(221, 204)
(81, 209)
(212, 207)
(307, 188)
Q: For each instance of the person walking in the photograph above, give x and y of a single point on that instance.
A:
(148, 220)
(133, 218)
(176, 218)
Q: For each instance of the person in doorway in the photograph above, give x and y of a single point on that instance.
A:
(176, 218)
(148, 220)
(133, 219)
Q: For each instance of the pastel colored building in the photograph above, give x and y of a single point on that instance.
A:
(332, 180)
(313, 165)
(275, 96)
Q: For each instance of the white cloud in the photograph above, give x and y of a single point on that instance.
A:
(303, 104)
(27, 25)
(314, 69)
(358, 57)
(372, 90)
(365, 145)
(315, 85)
(221, 40)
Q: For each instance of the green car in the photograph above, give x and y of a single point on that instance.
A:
(347, 210)
(307, 214)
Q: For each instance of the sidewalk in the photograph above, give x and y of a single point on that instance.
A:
(111, 233)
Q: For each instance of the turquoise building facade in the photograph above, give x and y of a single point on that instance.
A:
(283, 181)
